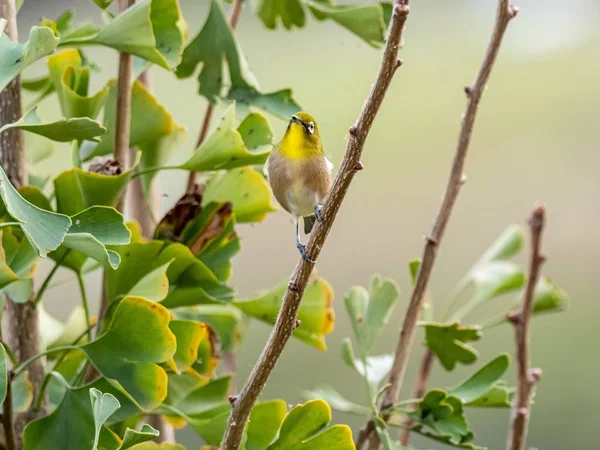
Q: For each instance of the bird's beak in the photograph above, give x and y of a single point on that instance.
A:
(297, 120)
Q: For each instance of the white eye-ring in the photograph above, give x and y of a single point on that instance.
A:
(311, 127)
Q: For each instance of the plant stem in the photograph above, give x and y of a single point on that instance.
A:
(424, 373)
(7, 412)
(234, 16)
(21, 368)
(286, 319)
(48, 279)
(526, 377)
(505, 13)
(123, 112)
(84, 302)
(9, 352)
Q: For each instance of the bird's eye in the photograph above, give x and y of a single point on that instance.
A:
(311, 127)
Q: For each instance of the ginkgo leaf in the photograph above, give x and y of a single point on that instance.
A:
(16, 57)
(64, 130)
(448, 342)
(103, 406)
(482, 388)
(151, 29)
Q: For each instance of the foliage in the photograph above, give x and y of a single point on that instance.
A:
(171, 310)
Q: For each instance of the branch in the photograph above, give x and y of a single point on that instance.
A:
(286, 320)
(123, 115)
(234, 17)
(424, 373)
(527, 377)
(457, 178)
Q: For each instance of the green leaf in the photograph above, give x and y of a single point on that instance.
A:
(70, 79)
(137, 338)
(64, 130)
(77, 190)
(150, 29)
(153, 286)
(265, 420)
(246, 189)
(16, 57)
(548, 297)
(190, 281)
(103, 3)
(3, 373)
(155, 446)
(414, 267)
(496, 278)
(225, 320)
(18, 263)
(508, 244)
(90, 232)
(316, 312)
(103, 406)
(499, 395)
(365, 21)
(483, 381)
(38, 148)
(227, 148)
(69, 427)
(337, 401)
(153, 128)
(448, 342)
(132, 438)
(203, 401)
(440, 416)
(216, 42)
(303, 429)
(188, 335)
(369, 311)
(45, 230)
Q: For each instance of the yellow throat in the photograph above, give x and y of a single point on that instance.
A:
(302, 139)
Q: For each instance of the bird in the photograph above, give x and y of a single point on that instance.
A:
(300, 174)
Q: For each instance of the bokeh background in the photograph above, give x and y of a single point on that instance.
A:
(537, 138)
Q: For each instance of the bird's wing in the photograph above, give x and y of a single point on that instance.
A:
(329, 164)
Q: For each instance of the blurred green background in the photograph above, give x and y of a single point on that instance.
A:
(537, 138)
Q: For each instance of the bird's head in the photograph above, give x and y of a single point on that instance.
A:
(302, 136)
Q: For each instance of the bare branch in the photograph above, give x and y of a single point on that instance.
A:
(123, 114)
(234, 17)
(504, 14)
(286, 320)
(526, 377)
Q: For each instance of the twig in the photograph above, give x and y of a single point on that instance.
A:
(420, 388)
(234, 17)
(526, 377)
(286, 320)
(123, 113)
(504, 14)
(144, 207)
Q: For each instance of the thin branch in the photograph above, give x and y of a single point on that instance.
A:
(46, 283)
(457, 178)
(123, 113)
(420, 388)
(526, 377)
(286, 320)
(234, 17)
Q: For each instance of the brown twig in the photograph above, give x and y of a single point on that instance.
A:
(123, 113)
(505, 13)
(22, 319)
(286, 320)
(234, 17)
(526, 377)
(420, 388)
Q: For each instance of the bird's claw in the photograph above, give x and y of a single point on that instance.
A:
(318, 213)
(302, 250)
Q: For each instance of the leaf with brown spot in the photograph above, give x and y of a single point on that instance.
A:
(186, 209)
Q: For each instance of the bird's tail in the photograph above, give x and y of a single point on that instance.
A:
(309, 223)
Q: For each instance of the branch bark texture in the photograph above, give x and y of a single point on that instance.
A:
(22, 320)
(286, 320)
(234, 17)
(504, 14)
(526, 377)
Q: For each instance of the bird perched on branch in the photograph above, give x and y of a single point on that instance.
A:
(300, 174)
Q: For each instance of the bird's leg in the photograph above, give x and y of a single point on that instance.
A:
(300, 246)
(318, 215)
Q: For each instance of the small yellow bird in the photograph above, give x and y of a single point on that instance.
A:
(300, 174)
